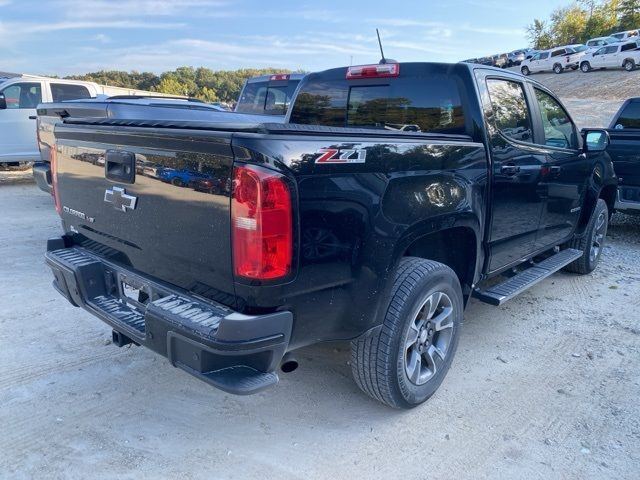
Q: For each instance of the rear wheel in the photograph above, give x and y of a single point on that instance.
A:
(177, 182)
(629, 65)
(592, 242)
(404, 362)
(585, 67)
(525, 71)
(557, 68)
(574, 68)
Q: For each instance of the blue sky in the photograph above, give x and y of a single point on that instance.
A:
(76, 36)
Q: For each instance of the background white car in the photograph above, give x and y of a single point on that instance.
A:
(621, 55)
(626, 36)
(557, 60)
(602, 41)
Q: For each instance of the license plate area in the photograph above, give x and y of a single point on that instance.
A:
(134, 293)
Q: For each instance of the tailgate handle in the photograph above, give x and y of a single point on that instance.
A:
(120, 166)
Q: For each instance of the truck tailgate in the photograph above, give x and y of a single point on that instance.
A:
(157, 201)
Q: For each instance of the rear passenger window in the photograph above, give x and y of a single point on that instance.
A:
(23, 95)
(510, 109)
(430, 104)
(559, 130)
(630, 117)
(61, 92)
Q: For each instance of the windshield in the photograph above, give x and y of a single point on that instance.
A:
(262, 98)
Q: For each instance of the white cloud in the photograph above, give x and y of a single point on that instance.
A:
(101, 38)
(137, 8)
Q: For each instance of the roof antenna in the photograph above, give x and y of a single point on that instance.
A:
(383, 60)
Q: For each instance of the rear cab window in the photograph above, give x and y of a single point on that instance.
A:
(415, 101)
(61, 92)
(267, 97)
(629, 117)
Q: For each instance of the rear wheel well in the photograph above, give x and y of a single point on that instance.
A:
(455, 247)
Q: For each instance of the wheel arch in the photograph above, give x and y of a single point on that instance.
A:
(457, 247)
(607, 192)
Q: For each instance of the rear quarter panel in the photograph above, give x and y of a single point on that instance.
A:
(355, 220)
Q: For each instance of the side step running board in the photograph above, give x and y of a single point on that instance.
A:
(500, 293)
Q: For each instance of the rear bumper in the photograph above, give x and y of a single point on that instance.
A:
(628, 199)
(42, 176)
(234, 352)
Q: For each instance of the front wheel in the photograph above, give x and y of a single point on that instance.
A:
(404, 362)
(629, 65)
(592, 241)
(574, 68)
(557, 68)
(525, 71)
(585, 67)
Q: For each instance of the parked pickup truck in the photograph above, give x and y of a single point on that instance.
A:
(340, 224)
(624, 151)
(618, 55)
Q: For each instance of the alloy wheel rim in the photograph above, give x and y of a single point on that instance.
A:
(599, 233)
(427, 342)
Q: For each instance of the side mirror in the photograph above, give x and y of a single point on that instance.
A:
(3, 102)
(595, 140)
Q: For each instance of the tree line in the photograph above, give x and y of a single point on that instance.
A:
(203, 83)
(583, 20)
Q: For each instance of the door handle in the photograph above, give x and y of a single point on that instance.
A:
(509, 169)
(32, 117)
(120, 166)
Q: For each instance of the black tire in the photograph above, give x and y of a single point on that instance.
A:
(575, 67)
(585, 67)
(629, 65)
(592, 242)
(177, 182)
(525, 71)
(557, 69)
(380, 359)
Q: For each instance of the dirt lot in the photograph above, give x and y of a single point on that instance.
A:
(546, 386)
(605, 89)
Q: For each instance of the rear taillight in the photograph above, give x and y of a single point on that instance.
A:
(53, 164)
(262, 226)
(383, 70)
(279, 76)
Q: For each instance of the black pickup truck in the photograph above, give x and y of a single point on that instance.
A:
(392, 194)
(624, 149)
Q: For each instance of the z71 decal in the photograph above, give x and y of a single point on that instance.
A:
(339, 155)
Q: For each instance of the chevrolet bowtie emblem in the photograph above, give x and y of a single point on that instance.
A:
(119, 199)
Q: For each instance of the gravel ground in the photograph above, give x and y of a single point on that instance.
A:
(546, 386)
